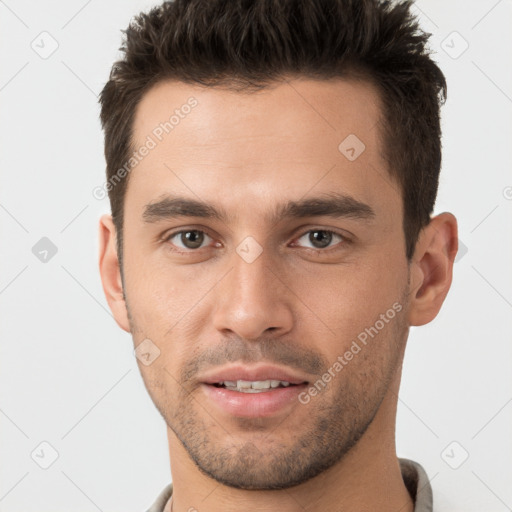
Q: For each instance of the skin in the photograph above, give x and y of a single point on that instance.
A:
(295, 304)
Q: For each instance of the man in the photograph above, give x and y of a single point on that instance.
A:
(272, 168)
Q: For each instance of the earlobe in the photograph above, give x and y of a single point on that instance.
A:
(111, 273)
(432, 268)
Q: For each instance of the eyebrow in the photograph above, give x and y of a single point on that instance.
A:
(330, 205)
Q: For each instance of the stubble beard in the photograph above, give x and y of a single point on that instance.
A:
(336, 421)
(262, 460)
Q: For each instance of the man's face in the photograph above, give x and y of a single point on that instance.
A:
(257, 250)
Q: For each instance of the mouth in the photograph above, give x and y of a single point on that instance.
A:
(255, 386)
(253, 392)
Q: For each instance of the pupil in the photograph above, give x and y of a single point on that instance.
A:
(320, 238)
(192, 239)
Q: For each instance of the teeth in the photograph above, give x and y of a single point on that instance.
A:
(256, 386)
(260, 384)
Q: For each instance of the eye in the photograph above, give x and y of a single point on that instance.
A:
(189, 239)
(319, 239)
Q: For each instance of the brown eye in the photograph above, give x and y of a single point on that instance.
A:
(191, 239)
(319, 239)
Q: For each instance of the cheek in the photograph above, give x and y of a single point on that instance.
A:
(347, 299)
(362, 315)
(169, 305)
(157, 289)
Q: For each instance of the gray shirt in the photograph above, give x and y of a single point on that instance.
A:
(415, 479)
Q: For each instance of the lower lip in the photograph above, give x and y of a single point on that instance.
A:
(253, 405)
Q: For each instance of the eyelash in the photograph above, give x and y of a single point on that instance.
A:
(344, 240)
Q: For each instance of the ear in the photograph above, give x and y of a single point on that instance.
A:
(432, 268)
(111, 273)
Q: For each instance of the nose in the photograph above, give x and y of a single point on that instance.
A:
(253, 300)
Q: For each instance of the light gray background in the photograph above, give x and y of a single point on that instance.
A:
(68, 374)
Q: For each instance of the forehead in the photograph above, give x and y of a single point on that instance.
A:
(290, 137)
(300, 108)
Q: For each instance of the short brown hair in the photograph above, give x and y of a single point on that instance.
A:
(247, 44)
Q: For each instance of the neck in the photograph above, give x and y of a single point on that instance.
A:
(367, 478)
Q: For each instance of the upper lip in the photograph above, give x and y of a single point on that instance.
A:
(251, 373)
